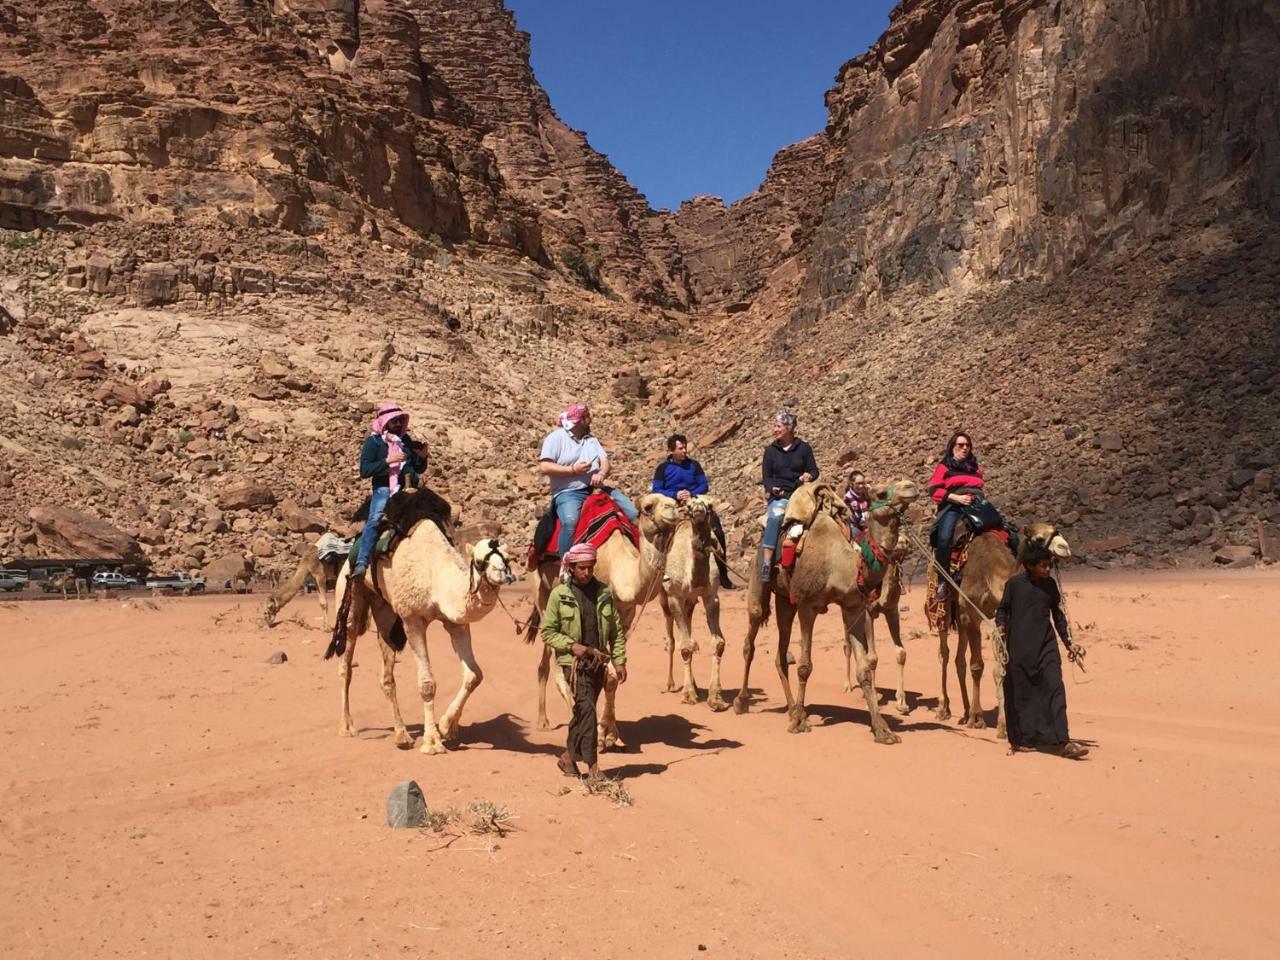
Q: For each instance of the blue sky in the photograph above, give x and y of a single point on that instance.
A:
(691, 97)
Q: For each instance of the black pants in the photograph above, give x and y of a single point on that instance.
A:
(583, 742)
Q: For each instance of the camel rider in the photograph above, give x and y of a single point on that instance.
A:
(581, 624)
(788, 462)
(857, 497)
(390, 459)
(956, 480)
(680, 477)
(576, 463)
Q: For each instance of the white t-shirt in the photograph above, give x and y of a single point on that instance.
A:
(563, 448)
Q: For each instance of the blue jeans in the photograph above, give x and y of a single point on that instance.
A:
(568, 507)
(773, 522)
(943, 529)
(369, 535)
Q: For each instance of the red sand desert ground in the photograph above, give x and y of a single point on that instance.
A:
(167, 793)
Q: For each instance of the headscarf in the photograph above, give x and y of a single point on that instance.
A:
(786, 419)
(578, 553)
(969, 464)
(386, 413)
(573, 415)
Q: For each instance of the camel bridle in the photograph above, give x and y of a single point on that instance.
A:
(481, 566)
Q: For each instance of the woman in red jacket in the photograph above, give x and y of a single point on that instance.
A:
(955, 480)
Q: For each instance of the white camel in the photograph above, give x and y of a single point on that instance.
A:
(691, 576)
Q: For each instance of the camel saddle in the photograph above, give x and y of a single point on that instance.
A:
(600, 518)
(404, 510)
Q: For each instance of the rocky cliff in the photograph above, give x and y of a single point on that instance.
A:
(227, 229)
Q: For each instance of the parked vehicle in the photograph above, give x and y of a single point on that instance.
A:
(183, 582)
(9, 584)
(112, 580)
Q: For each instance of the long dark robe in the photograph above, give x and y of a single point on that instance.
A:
(586, 681)
(1035, 700)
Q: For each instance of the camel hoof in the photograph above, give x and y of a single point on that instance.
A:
(717, 703)
(448, 733)
(977, 723)
(1001, 733)
(671, 687)
(903, 708)
(346, 730)
(433, 746)
(690, 697)
(740, 706)
(542, 724)
(887, 736)
(942, 713)
(798, 724)
(403, 739)
(849, 687)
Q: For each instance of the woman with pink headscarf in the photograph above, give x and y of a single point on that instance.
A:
(390, 460)
(576, 464)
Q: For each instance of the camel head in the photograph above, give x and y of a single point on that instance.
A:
(1048, 536)
(889, 501)
(658, 513)
(492, 560)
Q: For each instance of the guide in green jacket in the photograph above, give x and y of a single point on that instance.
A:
(581, 624)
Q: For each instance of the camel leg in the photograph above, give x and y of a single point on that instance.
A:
(665, 602)
(607, 728)
(757, 612)
(403, 739)
(859, 630)
(976, 718)
(848, 665)
(997, 678)
(944, 704)
(962, 652)
(684, 627)
(415, 629)
(786, 613)
(711, 608)
(472, 676)
(804, 667)
(355, 616)
(894, 623)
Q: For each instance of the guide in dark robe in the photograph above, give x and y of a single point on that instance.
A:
(1035, 699)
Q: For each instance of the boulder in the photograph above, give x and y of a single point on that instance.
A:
(1235, 555)
(1269, 541)
(406, 806)
(723, 432)
(299, 520)
(245, 495)
(232, 567)
(62, 531)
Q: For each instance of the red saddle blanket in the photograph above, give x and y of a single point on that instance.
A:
(599, 520)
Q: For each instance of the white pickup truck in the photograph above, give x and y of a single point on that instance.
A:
(178, 582)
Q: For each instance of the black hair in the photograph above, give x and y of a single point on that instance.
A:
(970, 462)
(676, 438)
(1033, 552)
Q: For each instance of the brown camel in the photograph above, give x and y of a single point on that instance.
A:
(634, 577)
(692, 576)
(829, 569)
(989, 566)
(425, 579)
(310, 564)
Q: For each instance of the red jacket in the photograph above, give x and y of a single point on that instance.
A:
(945, 480)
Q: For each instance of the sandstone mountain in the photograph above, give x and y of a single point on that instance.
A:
(234, 226)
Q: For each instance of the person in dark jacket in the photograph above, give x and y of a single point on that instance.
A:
(389, 460)
(788, 463)
(1035, 700)
(681, 477)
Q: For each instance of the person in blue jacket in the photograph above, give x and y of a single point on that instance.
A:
(389, 460)
(681, 477)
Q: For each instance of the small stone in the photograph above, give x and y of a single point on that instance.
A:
(1110, 442)
(278, 657)
(1240, 479)
(406, 807)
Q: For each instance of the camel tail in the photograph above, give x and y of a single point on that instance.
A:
(396, 638)
(531, 625)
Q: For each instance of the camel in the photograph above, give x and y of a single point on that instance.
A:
(829, 569)
(988, 568)
(424, 580)
(310, 565)
(633, 576)
(692, 576)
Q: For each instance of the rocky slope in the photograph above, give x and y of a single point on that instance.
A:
(232, 230)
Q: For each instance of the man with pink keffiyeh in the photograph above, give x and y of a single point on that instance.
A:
(576, 464)
(390, 460)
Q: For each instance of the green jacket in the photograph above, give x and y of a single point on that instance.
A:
(562, 624)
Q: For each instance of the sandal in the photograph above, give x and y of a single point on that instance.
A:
(569, 771)
(1073, 750)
